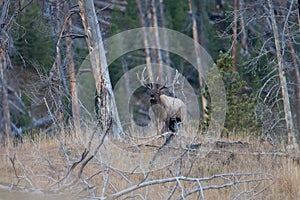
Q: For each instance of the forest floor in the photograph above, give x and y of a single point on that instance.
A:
(234, 170)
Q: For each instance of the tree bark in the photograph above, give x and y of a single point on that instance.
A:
(56, 73)
(157, 43)
(105, 97)
(145, 39)
(200, 22)
(286, 102)
(7, 18)
(297, 82)
(243, 30)
(5, 25)
(5, 104)
(199, 60)
(165, 54)
(165, 36)
(299, 15)
(234, 47)
(72, 74)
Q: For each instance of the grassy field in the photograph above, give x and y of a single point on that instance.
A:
(230, 170)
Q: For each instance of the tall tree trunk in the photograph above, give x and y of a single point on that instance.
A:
(286, 102)
(157, 41)
(243, 30)
(299, 15)
(72, 74)
(56, 73)
(234, 47)
(297, 82)
(165, 36)
(199, 60)
(145, 39)
(165, 54)
(108, 114)
(200, 22)
(5, 104)
(7, 19)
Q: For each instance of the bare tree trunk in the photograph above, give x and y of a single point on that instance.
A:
(234, 48)
(4, 45)
(200, 22)
(157, 43)
(56, 72)
(5, 104)
(199, 60)
(243, 30)
(297, 82)
(165, 54)
(6, 23)
(286, 102)
(165, 36)
(105, 97)
(299, 15)
(72, 74)
(145, 39)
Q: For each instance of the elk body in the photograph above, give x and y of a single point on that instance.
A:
(168, 110)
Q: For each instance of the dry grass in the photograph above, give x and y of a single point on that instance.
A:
(43, 165)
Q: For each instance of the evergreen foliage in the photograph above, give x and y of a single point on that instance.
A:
(32, 39)
(177, 16)
(240, 98)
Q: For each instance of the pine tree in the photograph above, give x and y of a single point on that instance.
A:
(32, 39)
(240, 98)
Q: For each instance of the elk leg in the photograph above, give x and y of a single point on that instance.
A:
(169, 138)
(178, 123)
(166, 126)
(158, 126)
(174, 124)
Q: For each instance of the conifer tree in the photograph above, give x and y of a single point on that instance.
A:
(33, 41)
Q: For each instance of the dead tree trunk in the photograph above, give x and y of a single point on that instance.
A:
(297, 82)
(7, 17)
(200, 22)
(145, 39)
(234, 47)
(5, 104)
(285, 96)
(6, 23)
(165, 36)
(243, 30)
(157, 41)
(299, 14)
(105, 97)
(199, 60)
(165, 42)
(72, 74)
(56, 74)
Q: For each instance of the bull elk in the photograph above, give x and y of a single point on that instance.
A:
(168, 110)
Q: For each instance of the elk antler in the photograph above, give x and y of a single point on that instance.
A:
(175, 80)
(148, 85)
(176, 77)
(164, 84)
(142, 79)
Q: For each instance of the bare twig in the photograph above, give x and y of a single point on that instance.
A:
(225, 177)
(19, 178)
(96, 150)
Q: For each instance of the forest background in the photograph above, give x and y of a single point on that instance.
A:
(255, 45)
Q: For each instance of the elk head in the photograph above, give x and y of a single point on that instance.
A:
(154, 91)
